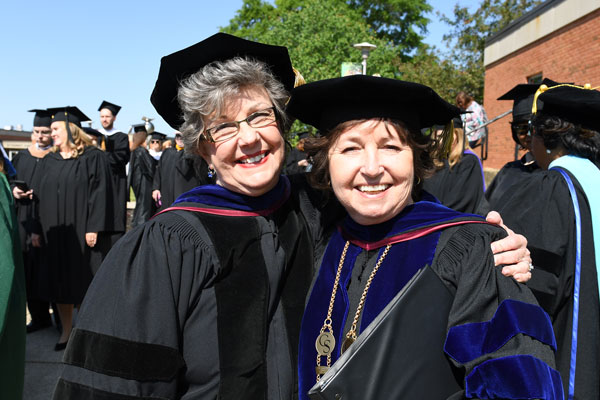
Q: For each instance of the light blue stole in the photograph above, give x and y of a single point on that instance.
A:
(588, 176)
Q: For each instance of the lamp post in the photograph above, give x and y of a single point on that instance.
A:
(364, 48)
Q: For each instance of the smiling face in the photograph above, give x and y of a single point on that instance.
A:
(59, 134)
(250, 162)
(371, 172)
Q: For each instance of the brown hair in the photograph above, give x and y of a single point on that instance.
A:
(463, 99)
(80, 140)
(421, 146)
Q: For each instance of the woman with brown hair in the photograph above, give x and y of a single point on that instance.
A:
(475, 117)
(73, 193)
(406, 303)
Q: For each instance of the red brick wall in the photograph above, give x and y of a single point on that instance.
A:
(571, 54)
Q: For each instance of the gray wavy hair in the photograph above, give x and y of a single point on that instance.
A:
(206, 93)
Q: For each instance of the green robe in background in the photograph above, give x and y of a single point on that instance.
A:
(12, 299)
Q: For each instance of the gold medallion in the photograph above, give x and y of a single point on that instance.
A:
(320, 370)
(325, 344)
(346, 343)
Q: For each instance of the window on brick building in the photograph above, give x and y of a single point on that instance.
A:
(535, 79)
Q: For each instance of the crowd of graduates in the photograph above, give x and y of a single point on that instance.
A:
(71, 186)
(71, 189)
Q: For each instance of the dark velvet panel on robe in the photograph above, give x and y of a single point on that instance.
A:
(225, 293)
(461, 187)
(74, 195)
(141, 173)
(541, 209)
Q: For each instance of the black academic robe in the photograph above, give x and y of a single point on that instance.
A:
(461, 187)
(459, 341)
(176, 173)
(26, 166)
(74, 195)
(510, 174)
(117, 149)
(291, 162)
(541, 209)
(141, 173)
(194, 305)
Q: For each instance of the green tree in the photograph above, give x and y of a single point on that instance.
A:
(469, 32)
(318, 34)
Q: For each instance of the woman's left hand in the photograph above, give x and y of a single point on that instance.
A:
(511, 252)
(90, 238)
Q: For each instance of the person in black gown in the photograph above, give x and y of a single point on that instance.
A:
(26, 162)
(394, 240)
(141, 173)
(176, 173)
(74, 195)
(564, 238)
(117, 150)
(458, 181)
(204, 300)
(515, 171)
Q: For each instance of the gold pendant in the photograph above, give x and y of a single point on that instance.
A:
(325, 343)
(347, 343)
(320, 370)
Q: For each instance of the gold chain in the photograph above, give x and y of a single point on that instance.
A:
(327, 323)
(352, 332)
(325, 342)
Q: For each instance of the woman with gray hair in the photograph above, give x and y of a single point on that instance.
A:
(209, 294)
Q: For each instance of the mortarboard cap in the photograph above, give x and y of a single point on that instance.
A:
(42, 117)
(522, 96)
(70, 114)
(93, 132)
(575, 104)
(158, 136)
(325, 104)
(113, 108)
(139, 128)
(219, 47)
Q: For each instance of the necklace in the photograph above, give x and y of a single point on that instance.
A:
(325, 343)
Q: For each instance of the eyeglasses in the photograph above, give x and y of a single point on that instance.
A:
(155, 141)
(520, 129)
(227, 130)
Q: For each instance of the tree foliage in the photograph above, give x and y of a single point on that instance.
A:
(469, 32)
(320, 34)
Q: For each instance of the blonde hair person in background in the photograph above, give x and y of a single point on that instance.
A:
(458, 181)
(73, 192)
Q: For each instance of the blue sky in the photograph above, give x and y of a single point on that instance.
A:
(78, 52)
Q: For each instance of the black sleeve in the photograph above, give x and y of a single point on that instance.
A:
(128, 338)
(497, 334)
(119, 154)
(99, 189)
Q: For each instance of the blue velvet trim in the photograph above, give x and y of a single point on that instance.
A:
(415, 216)
(514, 377)
(467, 342)
(400, 265)
(218, 196)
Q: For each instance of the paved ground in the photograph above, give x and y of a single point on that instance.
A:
(42, 364)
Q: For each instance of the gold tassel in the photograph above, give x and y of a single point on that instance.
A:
(544, 88)
(446, 140)
(299, 81)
